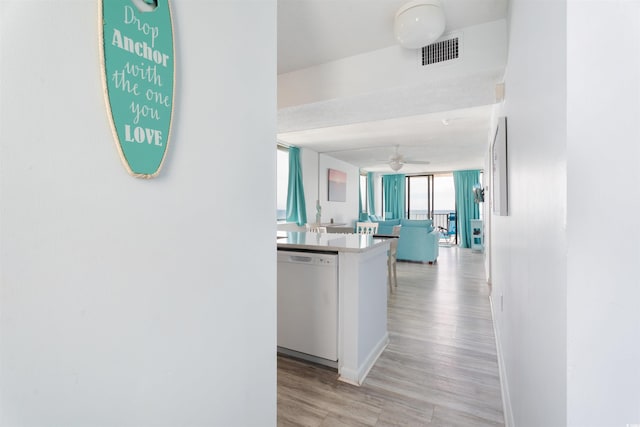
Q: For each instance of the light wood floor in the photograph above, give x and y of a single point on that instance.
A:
(440, 368)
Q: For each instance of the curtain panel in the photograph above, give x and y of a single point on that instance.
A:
(371, 208)
(296, 206)
(467, 208)
(360, 210)
(393, 188)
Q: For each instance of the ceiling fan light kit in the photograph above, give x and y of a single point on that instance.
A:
(419, 23)
(397, 160)
(395, 165)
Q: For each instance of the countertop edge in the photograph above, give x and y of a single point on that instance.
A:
(320, 248)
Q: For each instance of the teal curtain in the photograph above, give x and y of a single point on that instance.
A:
(393, 188)
(359, 201)
(296, 207)
(370, 194)
(467, 208)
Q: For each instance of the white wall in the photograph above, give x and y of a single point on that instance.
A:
(603, 150)
(314, 180)
(392, 67)
(529, 249)
(127, 302)
(568, 330)
(342, 212)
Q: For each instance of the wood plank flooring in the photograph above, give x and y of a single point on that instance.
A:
(440, 368)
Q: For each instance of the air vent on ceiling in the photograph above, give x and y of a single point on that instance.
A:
(444, 50)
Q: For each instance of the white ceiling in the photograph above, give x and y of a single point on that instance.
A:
(312, 32)
(440, 139)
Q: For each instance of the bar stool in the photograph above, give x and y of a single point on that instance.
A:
(391, 260)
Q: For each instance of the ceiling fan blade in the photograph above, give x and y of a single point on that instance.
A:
(394, 162)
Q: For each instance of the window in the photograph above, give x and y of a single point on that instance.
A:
(419, 196)
(363, 193)
(444, 199)
(282, 182)
(430, 197)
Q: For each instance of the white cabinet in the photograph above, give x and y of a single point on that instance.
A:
(308, 293)
(477, 235)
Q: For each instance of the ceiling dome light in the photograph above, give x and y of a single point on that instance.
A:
(419, 23)
(395, 165)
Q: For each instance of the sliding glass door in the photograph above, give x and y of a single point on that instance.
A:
(428, 197)
(419, 197)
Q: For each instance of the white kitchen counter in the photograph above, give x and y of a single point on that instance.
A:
(362, 295)
(332, 242)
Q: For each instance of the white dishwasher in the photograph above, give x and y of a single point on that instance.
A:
(308, 305)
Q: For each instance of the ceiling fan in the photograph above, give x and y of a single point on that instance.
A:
(397, 160)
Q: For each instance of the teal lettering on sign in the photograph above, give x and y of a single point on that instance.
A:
(139, 74)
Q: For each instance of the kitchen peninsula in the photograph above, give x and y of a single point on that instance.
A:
(332, 300)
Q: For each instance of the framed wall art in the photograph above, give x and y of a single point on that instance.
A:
(499, 170)
(337, 186)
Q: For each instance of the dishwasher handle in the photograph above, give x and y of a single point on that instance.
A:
(300, 258)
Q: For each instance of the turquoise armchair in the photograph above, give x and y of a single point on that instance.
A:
(418, 241)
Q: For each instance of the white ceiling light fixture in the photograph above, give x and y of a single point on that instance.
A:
(419, 23)
(397, 160)
(395, 165)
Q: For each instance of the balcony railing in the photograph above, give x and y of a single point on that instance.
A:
(440, 220)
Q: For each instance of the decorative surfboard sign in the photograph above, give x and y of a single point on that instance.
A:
(138, 70)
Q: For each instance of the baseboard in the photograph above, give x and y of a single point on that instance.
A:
(358, 377)
(309, 358)
(372, 357)
(504, 384)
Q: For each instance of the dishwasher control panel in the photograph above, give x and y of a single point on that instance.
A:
(307, 258)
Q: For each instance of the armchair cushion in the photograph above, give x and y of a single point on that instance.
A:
(418, 242)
